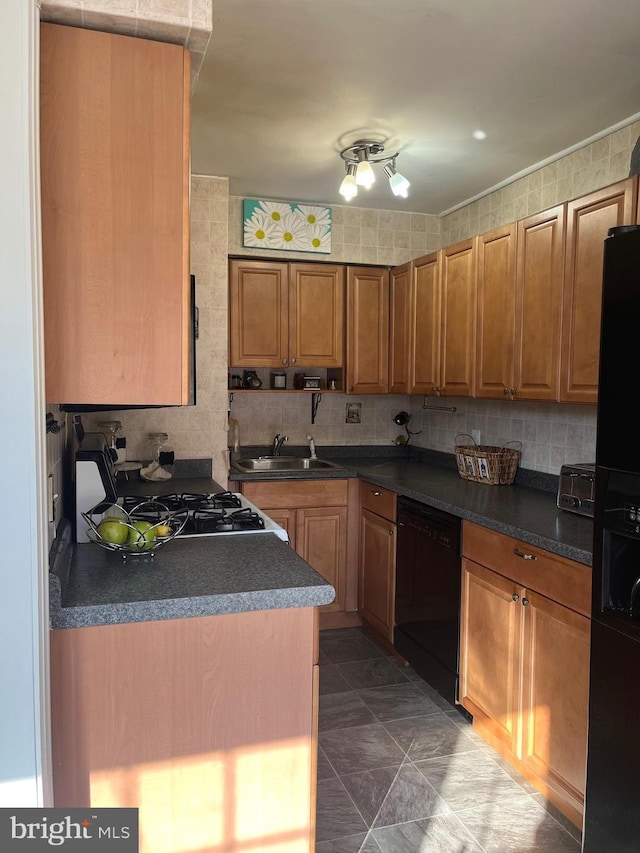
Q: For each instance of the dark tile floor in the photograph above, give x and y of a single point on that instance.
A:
(401, 771)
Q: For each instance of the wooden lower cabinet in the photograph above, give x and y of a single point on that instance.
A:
(377, 572)
(524, 660)
(207, 725)
(377, 588)
(318, 517)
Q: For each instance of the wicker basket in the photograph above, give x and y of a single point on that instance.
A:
(484, 463)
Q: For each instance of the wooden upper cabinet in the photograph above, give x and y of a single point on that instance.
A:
(316, 315)
(258, 314)
(588, 221)
(367, 330)
(400, 307)
(458, 316)
(539, 278)
(496, 252)
(114, 149)
(424, 358)
(283, 314)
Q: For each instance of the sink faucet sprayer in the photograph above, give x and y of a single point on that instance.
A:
(312, 447)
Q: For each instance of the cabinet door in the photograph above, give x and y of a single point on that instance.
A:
(490, 651)
(588, 221)
(424, 359)
(286, 518)
(496, 312)
(377, 572)
(539, 273)
(316, 315)
(114, 149)
(555, 699)
(321, 540)
(258, 314)
(458, 319)
(400, 329)
(367, 330)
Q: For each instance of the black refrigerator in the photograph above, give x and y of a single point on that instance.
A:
(612, 803)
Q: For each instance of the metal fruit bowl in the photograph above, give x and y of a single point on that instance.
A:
(143, 544)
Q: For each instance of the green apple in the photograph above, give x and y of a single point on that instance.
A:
(141, 534)
(113, 530)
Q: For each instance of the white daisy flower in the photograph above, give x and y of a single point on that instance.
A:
(313, 214)
(275, 210)
(258, 229)
(289, 233)
(319, 238)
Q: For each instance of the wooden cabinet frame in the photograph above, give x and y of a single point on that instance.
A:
(321, 517)
(588, 221)
(114, 163)
(367, 330)
(377, 572)
(524, 660)
(286, 315)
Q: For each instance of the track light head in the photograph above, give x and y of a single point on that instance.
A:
(348, 187)
(398, 183)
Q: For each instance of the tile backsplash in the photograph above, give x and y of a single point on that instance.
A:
(550, 434)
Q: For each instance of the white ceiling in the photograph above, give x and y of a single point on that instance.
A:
(286, 84)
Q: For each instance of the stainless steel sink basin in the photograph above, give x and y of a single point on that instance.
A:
(284, 463)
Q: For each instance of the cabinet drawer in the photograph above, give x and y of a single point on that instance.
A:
(296, 493)
(379, 500)
(555, 577)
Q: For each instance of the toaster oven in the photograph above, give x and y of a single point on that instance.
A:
(576, 488)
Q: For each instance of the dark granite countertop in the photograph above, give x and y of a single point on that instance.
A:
(518, 510)
(188, 577)
(199, 576)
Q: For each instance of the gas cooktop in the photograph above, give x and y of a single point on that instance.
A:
(207, 514)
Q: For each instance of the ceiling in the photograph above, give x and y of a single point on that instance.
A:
(286, 84)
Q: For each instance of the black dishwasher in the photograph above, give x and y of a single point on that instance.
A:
(428, 577)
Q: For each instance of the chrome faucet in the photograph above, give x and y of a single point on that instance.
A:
(278, 441)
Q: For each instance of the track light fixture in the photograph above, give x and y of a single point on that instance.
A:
(358, 159)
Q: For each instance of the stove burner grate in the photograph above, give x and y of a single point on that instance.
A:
(220, 521)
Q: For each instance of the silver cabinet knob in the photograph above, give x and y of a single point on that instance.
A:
(515, 596)
(525, 601)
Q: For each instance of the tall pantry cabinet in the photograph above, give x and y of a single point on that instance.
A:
(114, 142)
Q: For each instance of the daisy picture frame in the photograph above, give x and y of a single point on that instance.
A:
(286, 226)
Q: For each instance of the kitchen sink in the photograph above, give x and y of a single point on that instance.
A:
(284, 463)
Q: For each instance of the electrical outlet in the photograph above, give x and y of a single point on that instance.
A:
(475, 434)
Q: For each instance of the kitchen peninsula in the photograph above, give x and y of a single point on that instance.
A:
(186, 686)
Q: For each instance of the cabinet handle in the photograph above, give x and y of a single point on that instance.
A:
(285, 361)
(513, 392)
(293, 361)
(506, 391)
(351, 388)
(525, 601)
(391, 532)
(377, 494)
(524, 556)
(515, 596)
